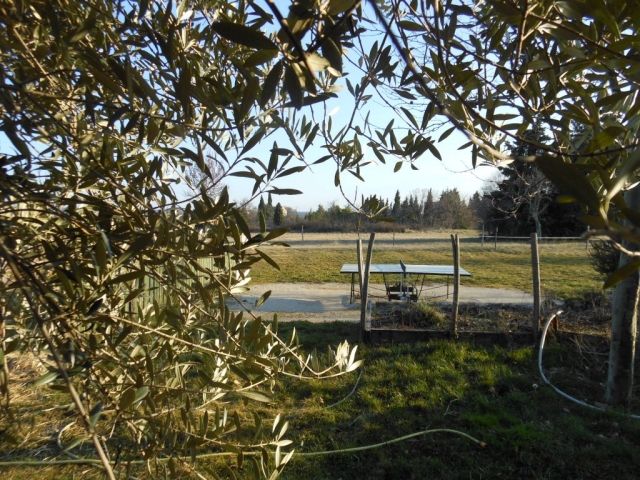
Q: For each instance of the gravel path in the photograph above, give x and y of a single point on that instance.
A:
(323, 302)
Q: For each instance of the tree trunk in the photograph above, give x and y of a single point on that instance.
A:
(534, 212)
(364, 294)
(536, 220)
(624, 326)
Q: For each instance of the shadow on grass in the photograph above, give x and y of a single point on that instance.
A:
(493, 394)
(320, 335)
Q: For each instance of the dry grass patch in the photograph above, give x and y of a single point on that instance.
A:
(581, 317)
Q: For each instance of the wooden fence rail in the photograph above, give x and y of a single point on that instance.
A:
(153, 290)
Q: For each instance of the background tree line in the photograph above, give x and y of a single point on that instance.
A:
(418, 210)
(517, 201)
(499, 206)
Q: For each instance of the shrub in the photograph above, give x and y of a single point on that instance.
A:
(604, 256)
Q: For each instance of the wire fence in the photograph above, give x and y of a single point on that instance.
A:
(495, 239)
(424, 237)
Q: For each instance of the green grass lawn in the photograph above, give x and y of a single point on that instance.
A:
(493, 394)
(565, 266)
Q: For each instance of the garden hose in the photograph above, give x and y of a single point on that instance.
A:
(557, 390)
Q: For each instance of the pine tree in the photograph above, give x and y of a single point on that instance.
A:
(279, 215)
(428, 211)
(525, 197)
(480, 207)
(405, 213)
(269, 210)
(396, 205)
(453, 211)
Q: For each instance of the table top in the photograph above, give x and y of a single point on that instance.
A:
(390, 268)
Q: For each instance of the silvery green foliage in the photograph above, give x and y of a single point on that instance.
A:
(493, 70)
(118, 285)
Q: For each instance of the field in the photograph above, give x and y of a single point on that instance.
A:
(493, 394)
(566, 271)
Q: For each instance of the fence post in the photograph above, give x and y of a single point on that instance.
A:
(535, 265)
(586, 242)
(482, 235)
(495, 241)
(394, 239)
(455, 242)
(364, 296)
(360, 267)
(303, 233)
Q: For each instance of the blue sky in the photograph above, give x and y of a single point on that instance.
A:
(454, 171)
(317, 183)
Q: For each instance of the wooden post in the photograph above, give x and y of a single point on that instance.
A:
(303, 233)
(394, 239)
(495, 241)
(535, 265)
(455, 242)
(483, 234)
(364, 296)
(586, 242)
(360, 267)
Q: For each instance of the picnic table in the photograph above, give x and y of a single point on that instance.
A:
(404, 289)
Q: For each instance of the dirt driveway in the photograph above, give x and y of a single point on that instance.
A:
(322, 302)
